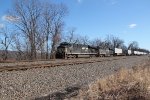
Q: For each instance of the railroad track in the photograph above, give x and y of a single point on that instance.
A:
(55, 64)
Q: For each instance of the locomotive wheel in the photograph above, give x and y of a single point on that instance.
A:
(100, 56)
(74, 56)
(69, 56)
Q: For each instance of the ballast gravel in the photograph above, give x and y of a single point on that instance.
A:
(35, 83)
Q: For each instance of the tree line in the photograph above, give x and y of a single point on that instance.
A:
(37, 29)
(109, 42)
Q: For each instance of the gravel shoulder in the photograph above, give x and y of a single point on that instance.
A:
(28, 84)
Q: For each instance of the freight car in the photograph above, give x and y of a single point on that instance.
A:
(129, 52)
(118, 51)
(105, 52)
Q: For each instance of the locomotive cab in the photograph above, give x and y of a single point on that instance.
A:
(60, 53)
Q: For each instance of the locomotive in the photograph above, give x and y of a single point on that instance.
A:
(68, 50)
(71, 50)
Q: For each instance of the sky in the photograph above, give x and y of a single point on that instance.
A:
(127, 19)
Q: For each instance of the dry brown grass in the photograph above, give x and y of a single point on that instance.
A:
(133, 84)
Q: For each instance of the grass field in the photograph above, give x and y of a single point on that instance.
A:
(125, 84)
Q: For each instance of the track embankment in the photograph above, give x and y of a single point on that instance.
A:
(39, 82)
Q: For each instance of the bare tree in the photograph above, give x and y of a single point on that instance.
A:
(108, 41)
(84, 40)
(27, 14)
(117, 43)
(48, 18)
(55, 38)
(53, 15)
(5, 41)
(99, 43)
(114, 42)
(71, 36)
(41, 45)
(103, 44)
(133, 45)
(17, 46)
(57, 27)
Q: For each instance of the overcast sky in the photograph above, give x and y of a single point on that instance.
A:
(126, 19)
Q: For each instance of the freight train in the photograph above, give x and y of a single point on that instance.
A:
(69, 50)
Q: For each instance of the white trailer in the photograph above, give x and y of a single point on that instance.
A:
(129, 52)
(118, 51)
(135, 52)
(138, 53)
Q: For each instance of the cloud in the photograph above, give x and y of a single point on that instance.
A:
(132, 25)
(10, 18)
(79, 1)
(1, 26)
